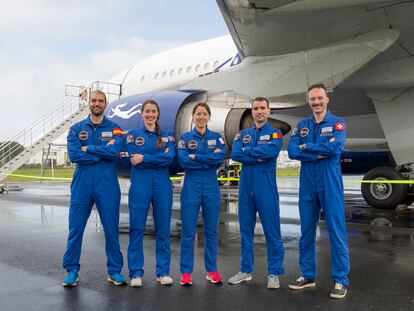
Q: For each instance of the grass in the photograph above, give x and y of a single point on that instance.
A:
(34, 173)
(63, 172)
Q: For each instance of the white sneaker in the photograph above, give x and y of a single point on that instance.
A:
(165, 280)
(273, 282)
(136, 282)
(240, 277)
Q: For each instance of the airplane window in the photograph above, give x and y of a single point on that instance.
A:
(188, 69)
(197, 68)
(206, 66)
(142, 78)
(172, 72)
(216, 63)
(156, 75)
(180, 71)
(164, 74)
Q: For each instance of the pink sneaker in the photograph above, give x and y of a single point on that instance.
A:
(214, 277)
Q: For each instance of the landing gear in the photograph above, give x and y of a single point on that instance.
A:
(385, 195)
(221, 174)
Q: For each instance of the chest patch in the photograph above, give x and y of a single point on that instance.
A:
(304, 132)
(264, 137)
(247, 139)
(83, 135)
(164, 139)
(106, 135)
(326, 129)
(192, 144)
(211, 142)
(139, 141)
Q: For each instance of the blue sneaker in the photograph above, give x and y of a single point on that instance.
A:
(71, 279)
(117, 279)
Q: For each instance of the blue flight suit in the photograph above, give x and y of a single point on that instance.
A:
(150, 184)
(95, 180)
(257, 149)
(200, 189)
(321, 187)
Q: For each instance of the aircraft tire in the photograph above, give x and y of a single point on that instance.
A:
(384, 196)
(1, 190)
(222, 174)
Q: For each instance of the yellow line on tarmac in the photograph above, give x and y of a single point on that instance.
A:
(380, 181)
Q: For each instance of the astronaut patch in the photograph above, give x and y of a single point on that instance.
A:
(221, 140)
(264, 137)
(181, 144)
(164, 139)
(236, 137)
(304, 132)
(192, 144)
(247, 139)
(83, 135)
(139, 141)
(295, 131)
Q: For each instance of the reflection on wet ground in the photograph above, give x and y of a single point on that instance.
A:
(51, 198)
(33, 227)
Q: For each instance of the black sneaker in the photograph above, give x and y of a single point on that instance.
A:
(301, 283)
(339, 291)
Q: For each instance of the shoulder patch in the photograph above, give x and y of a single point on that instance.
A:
(221, 140)
(181, 144)
(276, 135)
(130, 139)
(339, 126)
(295, 131)
(236, 137)
(117, 131)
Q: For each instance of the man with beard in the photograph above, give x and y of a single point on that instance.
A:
(93, 144)
(318, 141)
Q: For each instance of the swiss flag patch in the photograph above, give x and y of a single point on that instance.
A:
(339, 126)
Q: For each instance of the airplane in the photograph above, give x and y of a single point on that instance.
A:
(361, 49)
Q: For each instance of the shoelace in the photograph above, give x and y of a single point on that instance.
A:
(300, 279)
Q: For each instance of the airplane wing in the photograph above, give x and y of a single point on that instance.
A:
(275, 27)
(362, 49)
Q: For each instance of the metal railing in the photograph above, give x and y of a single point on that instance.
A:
(26, 138)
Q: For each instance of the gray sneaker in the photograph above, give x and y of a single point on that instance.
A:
(273, 282)
(240, 277)
(339, 291)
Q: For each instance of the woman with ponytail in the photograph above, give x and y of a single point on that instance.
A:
(151, 151)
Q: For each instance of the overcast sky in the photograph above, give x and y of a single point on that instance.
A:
(46, 44)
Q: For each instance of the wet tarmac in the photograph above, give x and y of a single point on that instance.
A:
(33, 230)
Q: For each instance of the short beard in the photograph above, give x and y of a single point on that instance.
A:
(97, 114)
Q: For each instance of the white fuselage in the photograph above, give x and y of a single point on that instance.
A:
(175, 67)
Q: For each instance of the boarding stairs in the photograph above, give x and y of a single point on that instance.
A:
(27, 143)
